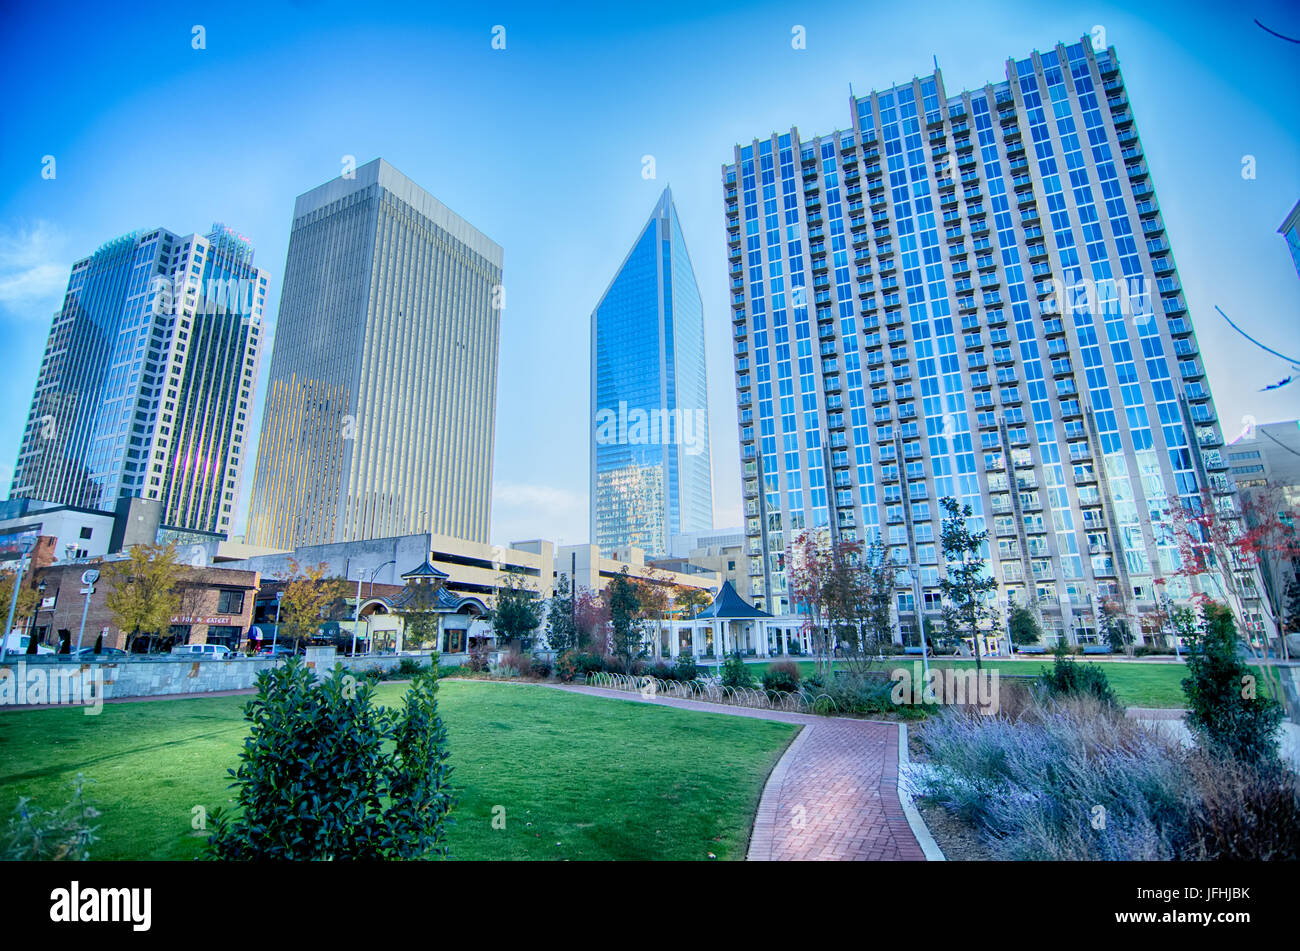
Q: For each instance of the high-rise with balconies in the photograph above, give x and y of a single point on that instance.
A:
(651, 475)
(970, 294)
(381, 403)
(144, 387)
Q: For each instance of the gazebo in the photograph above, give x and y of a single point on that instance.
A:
(456, 614)
(730, 624)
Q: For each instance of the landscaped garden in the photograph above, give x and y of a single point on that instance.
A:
(573, 777)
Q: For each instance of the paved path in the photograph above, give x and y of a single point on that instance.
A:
(833, 795)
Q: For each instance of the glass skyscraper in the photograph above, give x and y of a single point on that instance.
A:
(381, 403)
(144, 387)
(970, 294)
(651, 474)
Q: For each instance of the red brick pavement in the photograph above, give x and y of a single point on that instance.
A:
(832, 796)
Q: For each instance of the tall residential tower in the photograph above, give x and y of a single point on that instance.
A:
(651, 476)
(144, 388)
(970, 294)
(380, 407)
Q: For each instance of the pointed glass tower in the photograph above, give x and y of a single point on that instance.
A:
(651, 475)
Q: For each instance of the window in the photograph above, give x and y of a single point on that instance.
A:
(230, 602)
(85, 531)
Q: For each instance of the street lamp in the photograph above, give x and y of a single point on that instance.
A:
(356, 612)
(915, 570)
(88, 578)
(275, 634)
(26, 545)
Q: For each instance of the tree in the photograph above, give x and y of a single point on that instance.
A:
(307, 594)
(865, 580)
(517, 613)
(591, 616)
(625, 619)
(1114, 625)
(653, 600)
(143, 590)
(420, 614)
(29, 599)
(1223, 707)
(1292, 612)
(1023, 626)
(561, 621)
(828, 583)
(689, 600)
(1223, 548)
(966, 581)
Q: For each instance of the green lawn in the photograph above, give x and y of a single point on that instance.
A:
(580, 777)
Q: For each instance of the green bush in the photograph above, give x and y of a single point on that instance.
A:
(782, 675)
(1069, 678)
(325, 773)
(735, 672)
(686, 668)
(1222, 708)
(539, 666)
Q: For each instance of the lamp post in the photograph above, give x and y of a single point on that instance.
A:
(275, 634)
(915, 570)
(26, 546)
(356, 612)
(88, 578)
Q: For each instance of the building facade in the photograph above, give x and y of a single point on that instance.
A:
(1265, 463)
(144, 387)
(651, 474)
(1290, 230)
(970, 294)
(380, 407)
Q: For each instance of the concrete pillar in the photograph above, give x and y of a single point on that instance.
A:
(785, 641)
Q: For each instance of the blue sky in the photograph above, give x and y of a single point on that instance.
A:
(540, 145)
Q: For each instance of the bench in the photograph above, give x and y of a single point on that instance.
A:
(1036, 649)
(918, 651)
(1096, 649)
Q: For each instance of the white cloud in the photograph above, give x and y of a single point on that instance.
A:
(34, 266)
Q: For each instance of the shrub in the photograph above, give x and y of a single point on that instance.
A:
(51, 835)
(782, 675)
(327, 774)
(735, 672)
(408, 666)
(478, 659)
(566, 666)
(589, 663)
(539, 666)
(662, 670)
(1069, 678)
(1226, 716)
(1071, 780)
(1244, 811)
(860, 693)
(686, 668)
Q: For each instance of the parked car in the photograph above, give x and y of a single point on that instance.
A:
(203, 650)
(18, 642)
(114, 652)
(279, 650)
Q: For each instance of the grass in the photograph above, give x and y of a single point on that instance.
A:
(1137, 683)
(579, 777)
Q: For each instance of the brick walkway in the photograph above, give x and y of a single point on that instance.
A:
(833, 795)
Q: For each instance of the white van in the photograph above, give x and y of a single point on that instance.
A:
(202, 650)
(17, 643)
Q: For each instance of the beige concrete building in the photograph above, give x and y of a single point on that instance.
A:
(380, 407)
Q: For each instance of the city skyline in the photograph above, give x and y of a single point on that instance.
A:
(651, 469)
(1202, 189)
